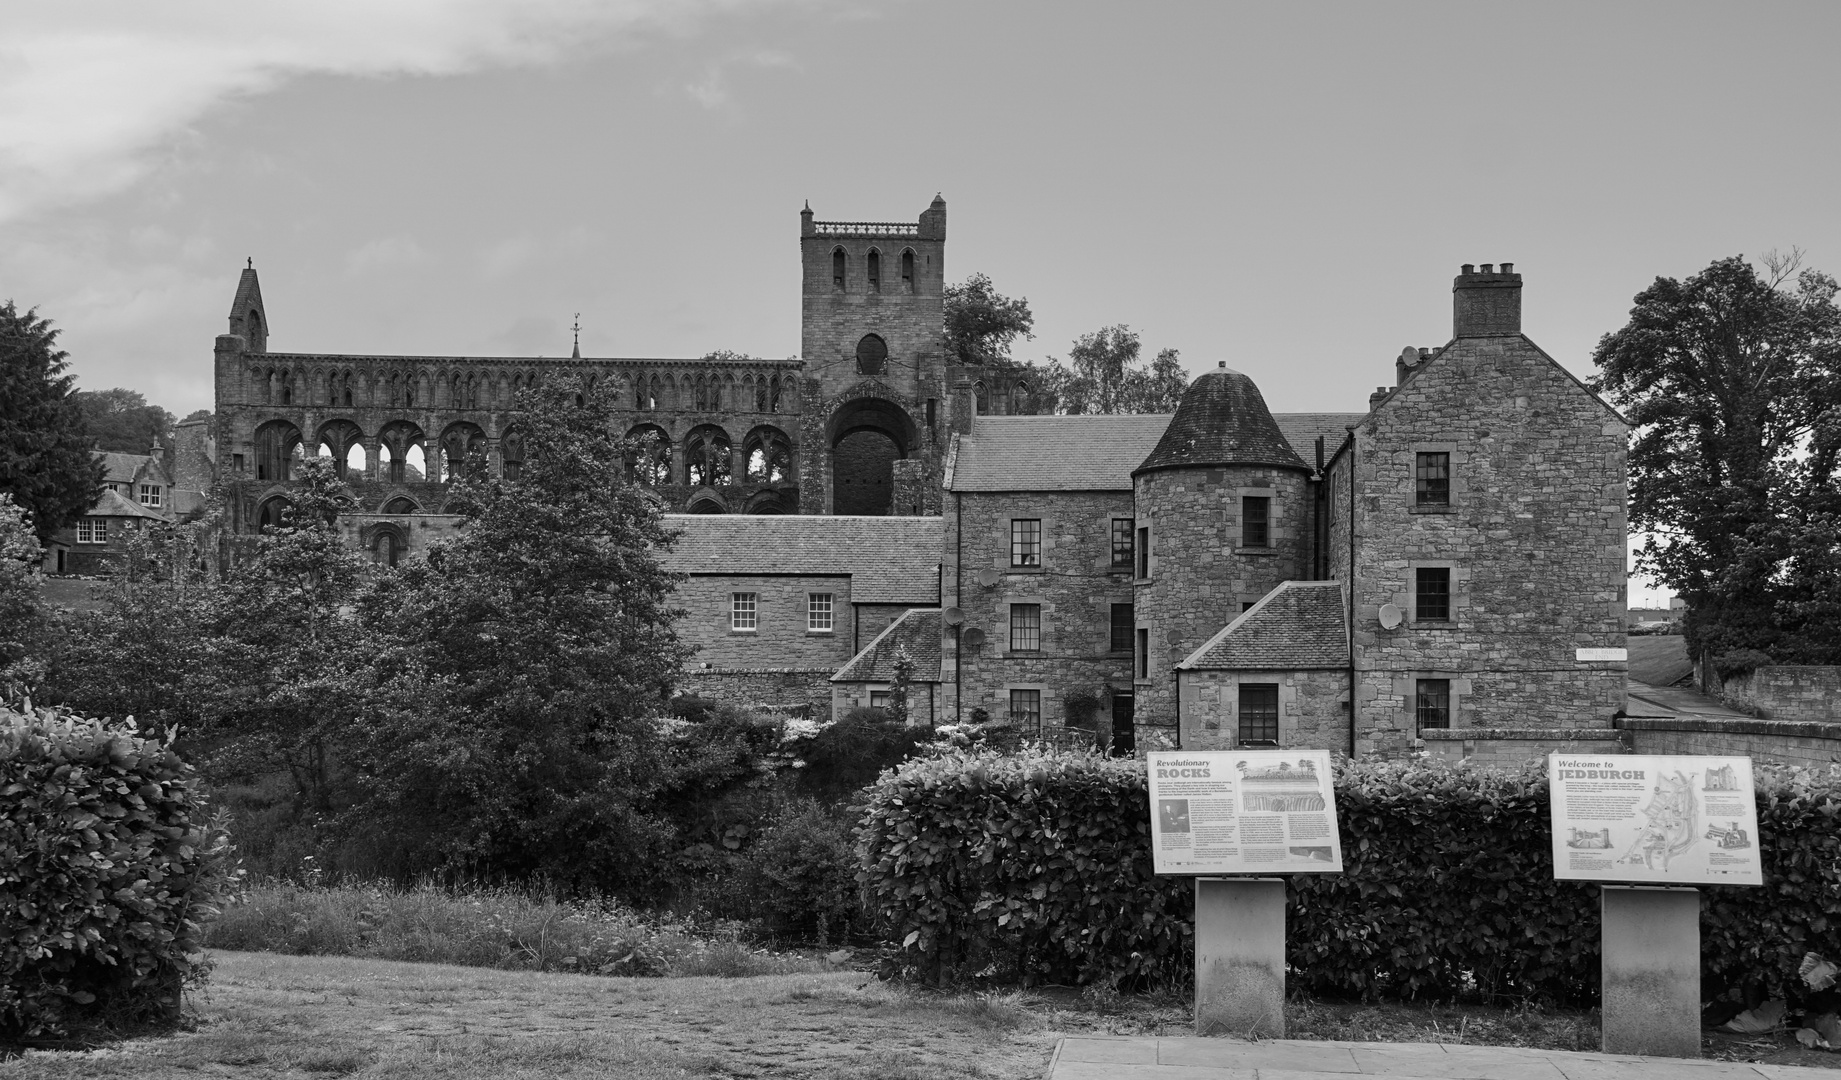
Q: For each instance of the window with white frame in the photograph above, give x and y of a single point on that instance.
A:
(742, 612)
(820, 613)
(92, 530)
(150, 495)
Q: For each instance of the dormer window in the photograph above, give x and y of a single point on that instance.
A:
(150, 495)
(875, 271)
(837, 269)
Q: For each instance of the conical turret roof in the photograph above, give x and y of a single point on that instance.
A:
(1223, 420)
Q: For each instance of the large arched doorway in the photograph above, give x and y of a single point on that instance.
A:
(868, 436)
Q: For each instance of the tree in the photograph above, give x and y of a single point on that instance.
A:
(122, 421)
(45, 459)
(538, 643)
(1732, 379)
(22, 612)
(981, 323)
(1103, 375)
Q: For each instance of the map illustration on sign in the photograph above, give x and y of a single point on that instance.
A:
(1243, 812)
(1660, 820)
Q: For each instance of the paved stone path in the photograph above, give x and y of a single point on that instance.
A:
(1151, 1058)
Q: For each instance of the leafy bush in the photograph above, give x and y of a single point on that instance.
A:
(850, 753)
(108, 873)
(801, 876)
(1038, 867)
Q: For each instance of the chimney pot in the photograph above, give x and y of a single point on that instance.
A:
(1489, 268)
(1469, 268)
(1508, 268)
(1221, 364)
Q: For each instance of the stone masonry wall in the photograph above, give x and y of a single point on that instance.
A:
(1310, 708)
(1202, 577)
(781, 639)
(782, 688)
(1075, 587)
(1784, 742)
(1508, 747)
(1534, 538)
(1787, 692)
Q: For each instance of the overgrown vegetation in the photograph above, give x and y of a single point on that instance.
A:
(1036, 868)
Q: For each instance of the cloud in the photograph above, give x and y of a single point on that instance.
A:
(712, 91)
(89, 91)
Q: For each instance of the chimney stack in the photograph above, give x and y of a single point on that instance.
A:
(964, 406)
(1486, 302)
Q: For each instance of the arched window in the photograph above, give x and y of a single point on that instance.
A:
(979, 396)
(346, 385)
(760, 392)
(386, 548)
(270, 516)
(648, 459)
(773, 394)
(907, 269)
(768, 456)
(287, 390)
(838, 264)
(702, 395)
(707, 505)
(463, 446)
(512, 447)
(337, 440)
(656, 397)
(706, 457)
(874, 265)
(277, 443)
(1019, 399)
(641, 401)
(872, 354)
(399, 452)
(400, 505)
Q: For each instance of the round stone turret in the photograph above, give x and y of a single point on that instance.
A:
(1225, 500)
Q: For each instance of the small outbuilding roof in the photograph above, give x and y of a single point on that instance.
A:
(889, 560)
(1298, 625)
(1222, 420)
(917, 631)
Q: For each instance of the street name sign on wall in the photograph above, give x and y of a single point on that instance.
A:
(1654, 820)
(1244, 812)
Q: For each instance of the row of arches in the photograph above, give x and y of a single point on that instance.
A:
(358, 386)
(872, 269)
(400, 453)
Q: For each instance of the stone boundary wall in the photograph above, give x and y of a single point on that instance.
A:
(752, 687)
(1784, 742)
(1782, 692)
(1514, 746)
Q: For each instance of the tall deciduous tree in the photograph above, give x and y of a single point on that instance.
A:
(22, 612)
(539, 642)
(1732, 379)
(1104, 374)
(122, 421)
(45, 459)
(981, 324)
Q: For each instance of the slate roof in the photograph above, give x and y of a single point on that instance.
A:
(1297, 625)
(1055, 453)
(890, 560)
(1222, 420)
(1302, 428)
(917, 631)
(114, 504)
(125, 468)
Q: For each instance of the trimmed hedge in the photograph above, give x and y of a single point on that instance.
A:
(1037, 867)
(108, 871)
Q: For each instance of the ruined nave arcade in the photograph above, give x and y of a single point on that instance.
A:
(852, 427)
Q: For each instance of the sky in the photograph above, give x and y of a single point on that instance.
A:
(1288, 188)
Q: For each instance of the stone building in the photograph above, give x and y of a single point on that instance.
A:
(1448, 566)
(1169, 580)
(138, 491)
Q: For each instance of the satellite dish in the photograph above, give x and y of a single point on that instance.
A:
(974, 637)
(987, 577)
(1391, 617)
(953, 616)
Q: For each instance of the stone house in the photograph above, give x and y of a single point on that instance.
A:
(137, 490)
(869, 678)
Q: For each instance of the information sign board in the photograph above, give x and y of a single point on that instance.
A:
(1669, 820)
(1244, 812)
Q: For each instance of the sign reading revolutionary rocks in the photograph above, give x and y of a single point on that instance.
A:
(1244, 812)
(1654, 820)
